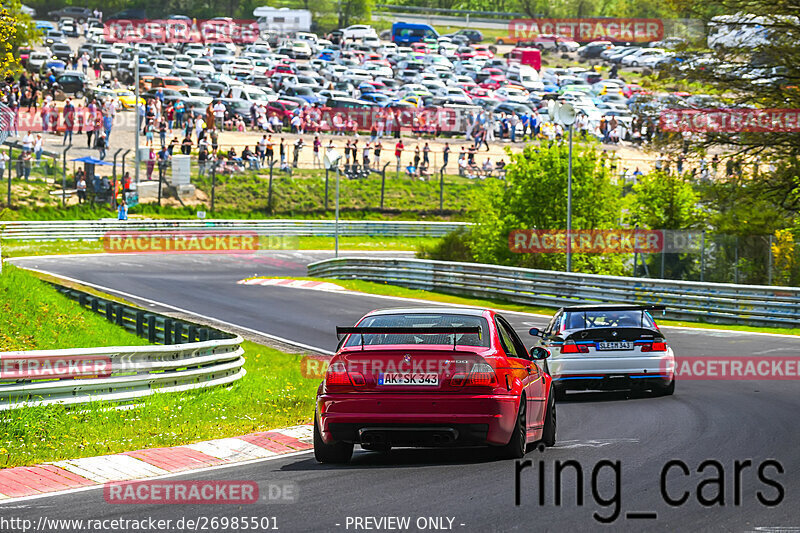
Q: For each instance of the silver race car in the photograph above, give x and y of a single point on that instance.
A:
(608, 347)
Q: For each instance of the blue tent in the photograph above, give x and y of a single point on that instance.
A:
(91, 160)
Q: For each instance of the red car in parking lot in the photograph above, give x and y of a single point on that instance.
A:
(433, 377)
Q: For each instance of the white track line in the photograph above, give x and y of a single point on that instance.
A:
(133, 297)
(696, 330)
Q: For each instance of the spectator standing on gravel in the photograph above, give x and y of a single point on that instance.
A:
(202, 158)
(445, 155)
(298, 145)
(219, 113)
(281, 154)
(317, 145)
(162, 132)
(101, 145)
(513, 120)
(69, 120)
(398, 152)
(122, 210)
(261, 150)
(270, 150)
(376, 150)
(37, 147)
(426, 153)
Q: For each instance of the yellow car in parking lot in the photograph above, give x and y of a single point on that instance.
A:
(127, 98)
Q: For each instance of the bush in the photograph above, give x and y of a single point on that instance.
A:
(455, 246)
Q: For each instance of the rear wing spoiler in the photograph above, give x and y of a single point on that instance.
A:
(641, 308)
(407, 330)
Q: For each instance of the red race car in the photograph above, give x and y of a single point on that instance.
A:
(433, 377)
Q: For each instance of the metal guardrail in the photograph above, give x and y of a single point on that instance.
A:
(685, 300)
(95, 229)
(192, 357)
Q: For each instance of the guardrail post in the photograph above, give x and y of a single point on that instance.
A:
(82, 299)
(140, 323)
(151, 329)
(118, 314)
(109, 312)
(167, 331)
(95, 304)
(192, 335)
(177, 338)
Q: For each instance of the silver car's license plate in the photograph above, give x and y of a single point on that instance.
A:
(616, 345)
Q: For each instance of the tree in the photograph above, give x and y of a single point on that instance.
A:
(16, 30)
(664, 201)
(353, 11)
(534, 196)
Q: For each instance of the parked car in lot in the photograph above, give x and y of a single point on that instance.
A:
(75, 12)
(433, 377)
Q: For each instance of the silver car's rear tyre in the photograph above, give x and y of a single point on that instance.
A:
(666, 390)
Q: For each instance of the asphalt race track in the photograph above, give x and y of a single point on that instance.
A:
(619, 445)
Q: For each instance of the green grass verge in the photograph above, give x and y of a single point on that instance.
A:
(31, 248)
(246, 196)
(273, 394)
(305, 193)
(34, 316)
(394, 290)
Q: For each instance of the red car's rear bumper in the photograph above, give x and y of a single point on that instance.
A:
(411, 418)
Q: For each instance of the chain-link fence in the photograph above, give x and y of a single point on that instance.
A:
(750, 260)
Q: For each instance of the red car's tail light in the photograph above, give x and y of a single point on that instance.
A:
(357, 378)
(571, 347)
(482, 374)
(337, 375)
(655, 347)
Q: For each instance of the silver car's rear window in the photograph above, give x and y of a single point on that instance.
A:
(608, 319)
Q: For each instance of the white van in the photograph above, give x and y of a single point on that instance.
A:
(529, 78)
(252, 94)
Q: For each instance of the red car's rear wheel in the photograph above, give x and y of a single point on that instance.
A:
(516, 447)
(335, 453)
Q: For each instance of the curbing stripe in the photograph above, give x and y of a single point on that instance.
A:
(107, 468)
(232, 449)
(86, 472)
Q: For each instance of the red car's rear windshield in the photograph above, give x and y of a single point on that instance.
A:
(423, 321)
